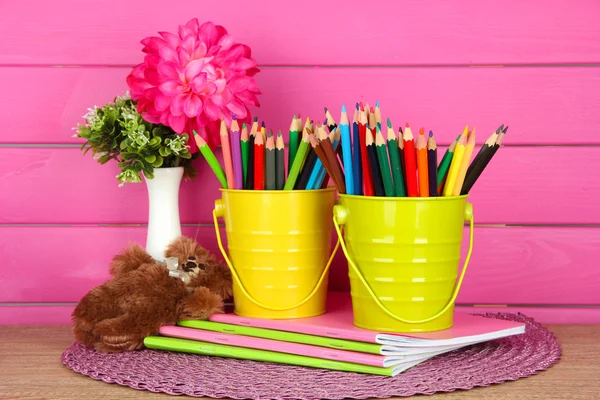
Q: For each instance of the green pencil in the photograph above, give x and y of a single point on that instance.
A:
(245, 144)
(293, 142)
(445, 163)
(397, 173)
(298, 162)
(279, 162)
(211, 159)
(384, 164)
(270, 161)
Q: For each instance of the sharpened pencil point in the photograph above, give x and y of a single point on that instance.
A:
(343, 108)
(407, 125)
(362, 107)
(279, 133)
(255, 119)
(262, 125)
(505, 129)
(421, 131)
(389, 123)
(325, 110)
(270, 133)
(430, 133)
(376, 103)
(356, 106)
(244, 125)
(233, 116)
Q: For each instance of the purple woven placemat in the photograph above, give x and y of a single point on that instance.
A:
(195, 375)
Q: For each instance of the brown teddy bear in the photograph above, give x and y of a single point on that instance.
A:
(144, 295)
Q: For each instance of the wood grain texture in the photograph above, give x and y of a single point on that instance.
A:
(541, 105)
(573, 377)
(406, 33)
(62, 186)
(510, 265)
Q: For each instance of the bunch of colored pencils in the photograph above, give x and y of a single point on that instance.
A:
(358, 159)
(257, 160)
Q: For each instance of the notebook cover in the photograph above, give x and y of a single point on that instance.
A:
(219, 350)
(333, 343)
(275, 345)
(337, 322)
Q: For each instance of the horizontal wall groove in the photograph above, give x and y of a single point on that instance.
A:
(462, 305)
(336, 66)
(78, 145)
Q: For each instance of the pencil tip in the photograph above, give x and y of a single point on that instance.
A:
(362, 107)
(294, 117)
(270, 134)
(255, 119)
(505, 129)
(430, 133)
(407, 125)
(376, 103)
(244, 125)
(389, 123)
(279, 133)
(421, 131)
(325, 108)
(343, 108)
(356, 106)
(262, 125)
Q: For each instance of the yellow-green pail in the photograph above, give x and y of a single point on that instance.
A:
(279, 244)
(403, 256)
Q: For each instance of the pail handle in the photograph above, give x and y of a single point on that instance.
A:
(340, 212)
(218, 212)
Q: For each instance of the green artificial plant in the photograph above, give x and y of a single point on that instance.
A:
(116, 131)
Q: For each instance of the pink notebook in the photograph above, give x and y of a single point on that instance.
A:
(337, 322)
(294, 348)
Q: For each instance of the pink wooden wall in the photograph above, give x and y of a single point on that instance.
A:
(442, 64)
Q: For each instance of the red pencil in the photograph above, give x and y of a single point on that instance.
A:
(259, 162)
(410, 161)
(369, 190)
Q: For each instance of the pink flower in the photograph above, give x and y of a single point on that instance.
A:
(192, 80)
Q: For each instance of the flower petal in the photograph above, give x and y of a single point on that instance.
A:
(198, 83)
(168, 70)
(193, 25)
(177, 123)
(183, 56)
(239, 83)
(162, 102)
(168, 53)
(171, 87)
(171, 39)
(237, 107)
(177, 104)
(193, 106)
(209, 34)
(199, 51)
(220, 84)
(212, 110)
(193, 68)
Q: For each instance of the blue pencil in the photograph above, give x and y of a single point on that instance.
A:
(356, 160)
(314, 176)
(347, 151)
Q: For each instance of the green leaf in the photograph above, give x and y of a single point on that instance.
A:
(158, 162)
(151, 158)
(164, 151)
(104, 159)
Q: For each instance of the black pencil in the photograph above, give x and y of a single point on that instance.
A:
(309, 165)
(250, 175)
(432, 165)
(489, 149)
(401, 154)
(482, 150)
(374, 163)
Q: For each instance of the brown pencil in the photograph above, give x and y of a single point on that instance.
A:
(336, 172)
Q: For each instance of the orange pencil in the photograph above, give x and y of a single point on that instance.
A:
(227, 155)
(422, 169)
(410, 163)
(259, 162)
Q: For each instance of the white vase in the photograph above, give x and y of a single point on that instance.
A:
(163, 217)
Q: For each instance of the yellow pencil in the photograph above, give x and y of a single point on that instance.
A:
(459, 151)
(464, 164)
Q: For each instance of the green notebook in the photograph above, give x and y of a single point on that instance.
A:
(219, 350)
(284, 336)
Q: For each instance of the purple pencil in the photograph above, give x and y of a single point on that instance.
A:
(236, 154)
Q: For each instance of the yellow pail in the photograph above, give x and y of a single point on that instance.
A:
(279, 244)
(403, 256)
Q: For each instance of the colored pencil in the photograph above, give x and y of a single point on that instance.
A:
(376, 172)
(466, 159)
(259, 162)
(330, 121)
(279, 162)
(377, 114)
(318, 150)
(298, 161)
(422, 166)
(356, 164)
(270, 162)
(384, 165)
(250, 177)
(236, 156)
(293, 142)
(489, 152)
(366, 168)
(396, 165)
(432, 164)
(307, 169)
(373, 123)
(401, 154)
(347, 151)
(337, 174)
(244, 142)
(211, 159)
(444, 166)
(459, 151)
(410, 162)
(225, 145)
(479, 154)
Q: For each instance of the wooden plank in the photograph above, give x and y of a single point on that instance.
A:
(400, 33)
(560, 103)
(57, 315)
(511, 265)
(79, 190)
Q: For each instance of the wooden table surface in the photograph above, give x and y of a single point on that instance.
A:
(30, 368)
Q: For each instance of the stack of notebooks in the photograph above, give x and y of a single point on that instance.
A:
(330, 341)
